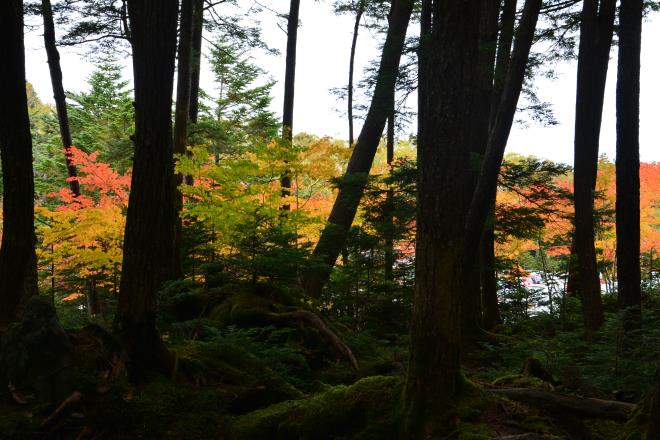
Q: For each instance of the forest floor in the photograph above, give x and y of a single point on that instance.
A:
(248, 379)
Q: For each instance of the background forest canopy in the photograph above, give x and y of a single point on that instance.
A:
(214, 270)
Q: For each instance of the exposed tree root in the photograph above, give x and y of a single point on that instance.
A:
(315, 321)
(75, 397)
(576, 406)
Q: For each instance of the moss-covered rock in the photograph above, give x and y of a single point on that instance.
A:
(364, 410)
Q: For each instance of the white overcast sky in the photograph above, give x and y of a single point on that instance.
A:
(323, 45)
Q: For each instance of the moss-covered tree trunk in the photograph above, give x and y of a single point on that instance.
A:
(593, 58)
(629, 274)
(18, 261)
(448, 75)
(351, 187)
(149, 256)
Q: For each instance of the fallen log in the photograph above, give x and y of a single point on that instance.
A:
(579, 406)
(315, 321)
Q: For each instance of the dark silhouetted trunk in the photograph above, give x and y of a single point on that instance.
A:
(18, 261)
(471, 298)
(351, 69)
(484, 194)
(389, 202)
(58, 93)
(491, 313)
(195, 69)
(182, 112)
(149, 254)
(448, 79)
(627, 162)
(504, 42)
(196, 58)
(491, 310)
(354, 180)
(289, 89)
(593, 59)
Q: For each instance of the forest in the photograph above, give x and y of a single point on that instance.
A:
(180, 261)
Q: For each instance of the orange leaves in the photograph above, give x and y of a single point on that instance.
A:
(84, 234)
(101, 185)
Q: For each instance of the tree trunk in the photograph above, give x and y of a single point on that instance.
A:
(593, 59)
(354, 180)
(389, 203)
(471, 298)
(351, 69)
(448, 79)
(289, 90)
(149, 253)
(58, 93)
(182, 113)
(491, 314)
(504, 42)
(184, 71)
(486, 187)
(18, 261)
(195, 69)
(491, 310)
(627, 162)
(196, 58)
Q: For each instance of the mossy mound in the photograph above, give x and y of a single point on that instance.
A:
(364, 410)
(248, 305)
(253, 384)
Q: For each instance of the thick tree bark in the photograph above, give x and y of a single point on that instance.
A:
(58, 93)
(18, 261)
(289, 89)
(481, 114)
(149, 253)
(593, 59)
(448, 79)
(627, 162)
(351, 68)
(354, 180)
